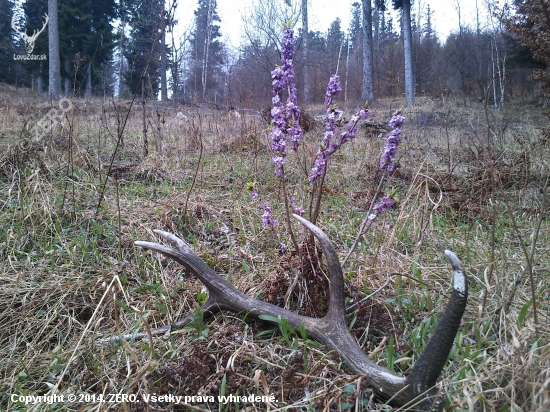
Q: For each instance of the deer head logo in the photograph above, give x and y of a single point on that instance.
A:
(29, 40)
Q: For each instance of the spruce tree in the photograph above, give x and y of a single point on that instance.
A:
(207, 51)
(7, 46)
(37, 71)
(355, 30)
(142, 49)
(531, 26)
(335, 42)
(87, 41)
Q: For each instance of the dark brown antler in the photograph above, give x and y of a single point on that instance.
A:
(416, 390)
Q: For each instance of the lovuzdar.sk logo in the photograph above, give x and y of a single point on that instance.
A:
(29, 41)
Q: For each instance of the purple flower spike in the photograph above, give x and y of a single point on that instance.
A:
(392, 141)
(299, 210)
(267, 219)
(328, 146)
(285, 116)
(384, 204)
(333, 90)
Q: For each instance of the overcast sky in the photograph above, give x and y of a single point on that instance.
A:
(323, 12)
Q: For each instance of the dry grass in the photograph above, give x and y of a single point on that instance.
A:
(70, 275)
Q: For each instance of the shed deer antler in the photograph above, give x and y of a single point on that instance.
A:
(416, 390)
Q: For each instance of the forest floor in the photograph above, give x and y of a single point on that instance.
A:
(71, 277)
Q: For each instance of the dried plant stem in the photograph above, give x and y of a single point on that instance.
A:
(365, 224)
(144, 119)
(194, 177)
(319, 191)
(287, 211)
(117, 146)
(118, 218)
(70, 173)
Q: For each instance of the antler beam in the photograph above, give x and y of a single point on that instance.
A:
(416, 390)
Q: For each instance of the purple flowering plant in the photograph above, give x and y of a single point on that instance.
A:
(393, 138)
(332, 140)
(387, 164)
(286, 132)
(285, 125)
(285, 128)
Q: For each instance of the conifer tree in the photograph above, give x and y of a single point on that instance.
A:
(207, 50)
(34, 11)
(531, 26)
(355, 26)
(335, 41)
(7, 45)
(143, 47)
(86, 32)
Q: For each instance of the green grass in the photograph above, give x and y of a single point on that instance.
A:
(59, 253)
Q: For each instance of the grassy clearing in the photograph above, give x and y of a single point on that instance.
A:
(71, 275)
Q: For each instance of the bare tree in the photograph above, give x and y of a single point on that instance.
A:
(53, 41)
(163, 63)
(180, 52)
(498, 53)
(262, 27)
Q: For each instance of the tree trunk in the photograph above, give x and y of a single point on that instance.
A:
(407, 46)
(121, 56)
(347, 69)
(144, 119)
(175, 66)
(163, 68)
(207, 39)
(367, 89)
(53, 49)
(305, 49)
(163, 65)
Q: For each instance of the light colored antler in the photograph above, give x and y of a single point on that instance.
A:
(417, 390)
(29, 40)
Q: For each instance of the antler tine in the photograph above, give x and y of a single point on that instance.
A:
(337, 310)
(185, 256)
(459, 284)
(173, 239)
(431, 361)
(222, 294)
